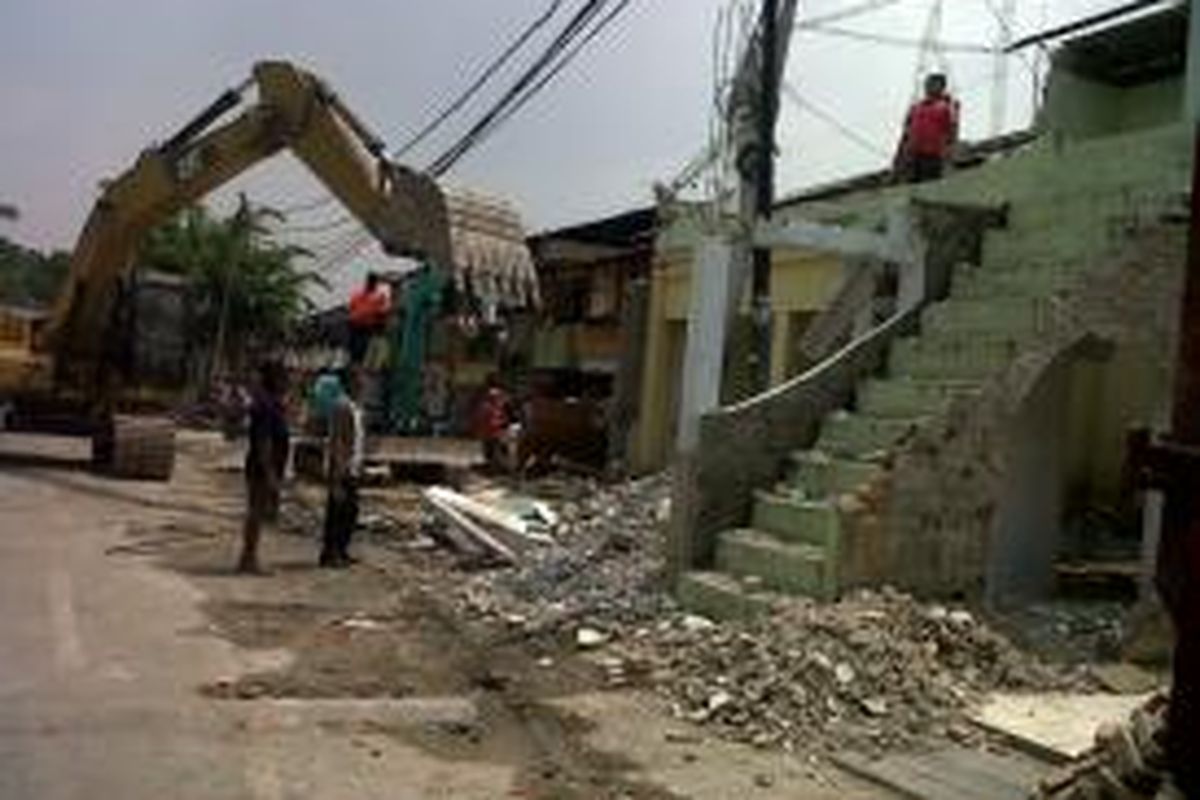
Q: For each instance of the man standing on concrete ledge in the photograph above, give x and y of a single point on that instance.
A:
(930, 133)
(347, 438)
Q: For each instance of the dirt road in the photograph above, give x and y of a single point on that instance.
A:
(134, 664)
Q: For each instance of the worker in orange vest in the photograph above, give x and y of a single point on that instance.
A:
(370, 306)
(930, 133)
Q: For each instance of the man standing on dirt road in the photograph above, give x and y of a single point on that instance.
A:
(347, 438)
(266, 460)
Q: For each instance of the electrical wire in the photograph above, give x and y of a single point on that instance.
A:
(488, 121)
(484, 78)
(899, 41)
(566, 46)
(804, 103)
(311, 204)
(321, 227)
(846, 13)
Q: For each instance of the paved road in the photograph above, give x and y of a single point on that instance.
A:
(101, 656)
(102, 653)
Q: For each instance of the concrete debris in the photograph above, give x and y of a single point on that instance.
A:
(589, 638)
(603, 563)
(876, 671)
(1128, 761)
(464, 533)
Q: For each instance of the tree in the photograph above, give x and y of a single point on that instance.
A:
(28, 277)
(246, 290)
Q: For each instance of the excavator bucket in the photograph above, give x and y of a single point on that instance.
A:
(420, 224)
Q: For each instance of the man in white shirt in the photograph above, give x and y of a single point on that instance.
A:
(347, 439)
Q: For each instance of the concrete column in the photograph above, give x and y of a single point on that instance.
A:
(652, 417)
(712, 287)
(781, 340)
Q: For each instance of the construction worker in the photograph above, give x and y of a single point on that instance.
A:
(930, 134)
(347, 441)
(266, 460)
(369, 310)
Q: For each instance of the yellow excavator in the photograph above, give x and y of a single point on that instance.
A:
(67, 365)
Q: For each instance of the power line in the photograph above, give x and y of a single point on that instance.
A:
(484, 78)
(899, 41)
(862, 141)
(565, 47)
(488, 121)
(308, 205)
(337, 222)
(846, 13)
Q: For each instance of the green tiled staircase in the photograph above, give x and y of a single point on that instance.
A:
(1067, 212)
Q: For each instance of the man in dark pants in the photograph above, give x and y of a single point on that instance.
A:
(266, 460)
(347, 436)
(930, 133)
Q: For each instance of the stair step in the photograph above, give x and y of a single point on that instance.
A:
(858, 435)
(817, 475)
(721, 597)
(780, 566)
(1027, 281)
(943, 357)
(909, 397)
(1019, 315)
(813, 522)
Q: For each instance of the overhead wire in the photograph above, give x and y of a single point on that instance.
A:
(320, 227)
(900, 41)
(575, 36)
(487, 122)
(846, 13)
(820, 113)
(482, 80)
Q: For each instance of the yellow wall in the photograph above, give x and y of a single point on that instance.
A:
(802, 282)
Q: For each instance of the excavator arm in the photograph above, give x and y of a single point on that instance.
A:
(405, 211)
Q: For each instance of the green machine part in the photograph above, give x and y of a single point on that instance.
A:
(422, 300)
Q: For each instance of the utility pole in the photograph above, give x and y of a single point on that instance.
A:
(764, 194)
(723, 258)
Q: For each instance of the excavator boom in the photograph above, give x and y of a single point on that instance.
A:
(404, 210)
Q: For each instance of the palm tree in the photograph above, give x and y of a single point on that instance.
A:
(246, 289)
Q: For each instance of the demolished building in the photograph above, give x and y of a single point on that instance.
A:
(972, 444)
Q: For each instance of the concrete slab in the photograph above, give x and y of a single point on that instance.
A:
(1058, 726)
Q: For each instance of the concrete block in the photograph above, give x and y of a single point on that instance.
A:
(1016, 315)
(780, 566)
(719, 596)
(812, 522)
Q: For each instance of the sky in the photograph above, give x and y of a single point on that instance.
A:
(87, 84)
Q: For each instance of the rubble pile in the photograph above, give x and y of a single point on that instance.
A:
(874, 672)
(605, 563)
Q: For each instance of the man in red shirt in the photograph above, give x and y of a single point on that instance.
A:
(930, 132)
(369, 309)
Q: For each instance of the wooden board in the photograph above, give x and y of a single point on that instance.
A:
(951, 773)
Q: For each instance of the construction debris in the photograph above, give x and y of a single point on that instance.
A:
(602, 562)
(463, 533)
(874, 672)
(1127, 761)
